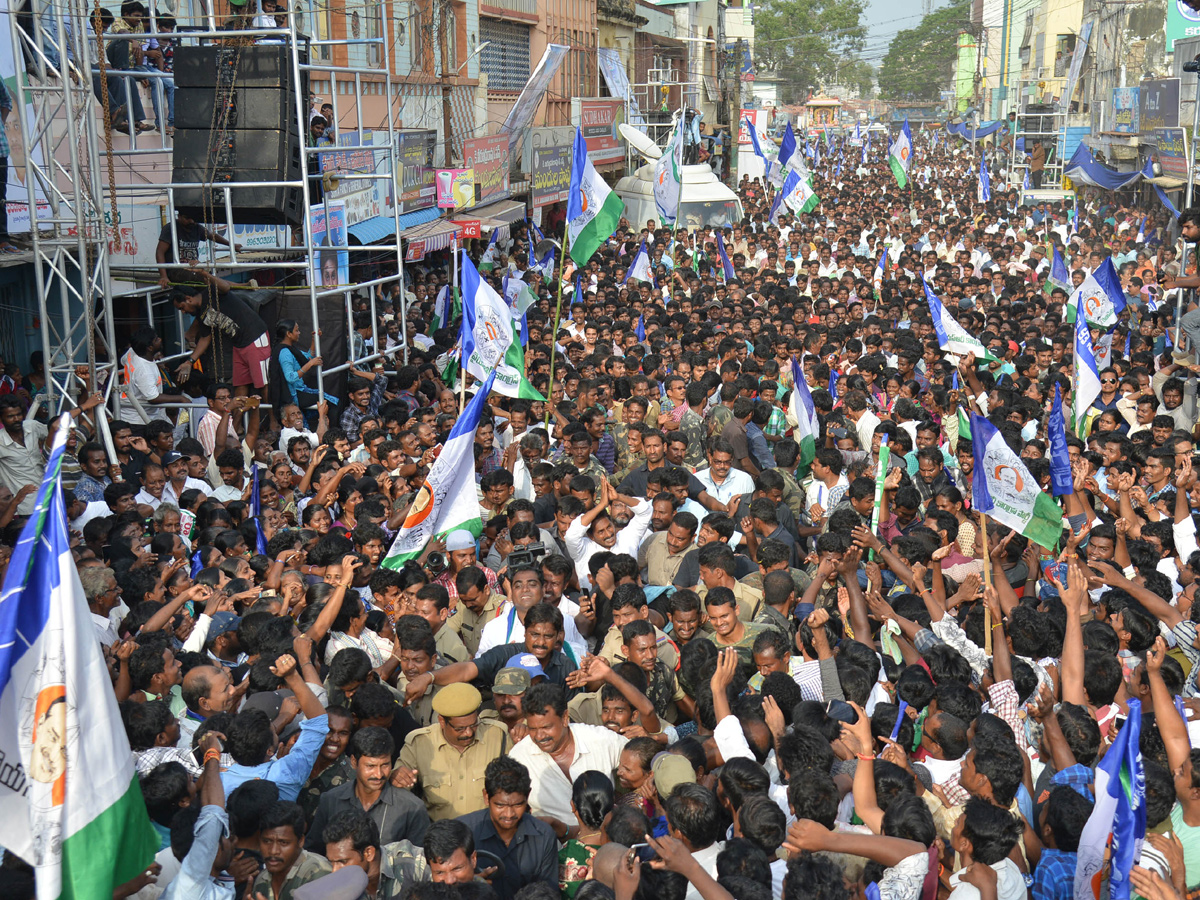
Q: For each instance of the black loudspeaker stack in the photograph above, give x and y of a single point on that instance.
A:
(236, 122)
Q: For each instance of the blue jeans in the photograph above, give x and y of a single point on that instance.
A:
(168, 90)
(117, 97)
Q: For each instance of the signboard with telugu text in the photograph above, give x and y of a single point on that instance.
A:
(1172, 151)
(759, 118)
(488, 156)
(550, 176)
(1126, 110)
(598, 120)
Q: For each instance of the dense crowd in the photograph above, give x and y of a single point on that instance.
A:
(681, 662)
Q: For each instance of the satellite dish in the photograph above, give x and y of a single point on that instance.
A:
(640, 141)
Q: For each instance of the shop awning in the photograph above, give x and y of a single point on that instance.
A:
(432, 235)
(499, 216)
(376, 228)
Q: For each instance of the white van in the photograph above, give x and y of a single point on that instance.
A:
(1033, 196)
(705, 202)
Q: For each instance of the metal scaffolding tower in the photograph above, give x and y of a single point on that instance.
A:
(81, 171)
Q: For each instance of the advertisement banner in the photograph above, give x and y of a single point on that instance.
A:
(617, 80)
(1126, 110)
(1172, 151)
(414, 157)
(488, 156)
(1158, 103)
(468, 228)
(759, 118)
(364, 198)
(551, 175)
(331, 267)
(520, 117)
(18, 190)
(599, 120)
(455, 188)
(415, 251)
(1085, 34)
(1182, 22)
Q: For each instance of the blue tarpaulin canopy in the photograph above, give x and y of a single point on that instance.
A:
(1081, 168)
(962, 131)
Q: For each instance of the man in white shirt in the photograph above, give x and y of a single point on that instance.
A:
(599, 529)
(293, 426)
(721, 481)
(864, 420)
(142, 381)
(178, 481)
(556, 753)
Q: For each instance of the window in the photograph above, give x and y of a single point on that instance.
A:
(506, 58)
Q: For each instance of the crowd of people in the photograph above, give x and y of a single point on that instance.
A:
(686, 658)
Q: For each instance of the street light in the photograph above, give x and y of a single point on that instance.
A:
(472, 55)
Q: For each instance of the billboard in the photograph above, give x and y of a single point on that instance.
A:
(1172, 152)
(331, 268)
(758, 117)
(1158, 103)
(1126, 110)
(488, 156)
(414, 158)
(598, 120)
(551, 175)
(455, 188)
(1181, 23)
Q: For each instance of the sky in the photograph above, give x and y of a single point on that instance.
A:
(886, 17)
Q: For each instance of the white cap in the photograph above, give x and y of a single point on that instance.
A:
(460, 540)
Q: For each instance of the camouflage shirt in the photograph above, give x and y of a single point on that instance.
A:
(308, 867)
(310, 795)
(692, 428)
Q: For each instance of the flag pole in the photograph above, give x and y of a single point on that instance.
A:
(987, 580)
(880, 477)
(562, 270)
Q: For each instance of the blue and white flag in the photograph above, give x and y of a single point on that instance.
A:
(1119, 814)
(1141, 232)
(985, 183)
(833, 380)
(448, 500)
(260, 538)
(538, 237)
(1027, 184)
(789, 185)
(758, 150)
(488, 261)
(640, 333)
(787, 149)
(1061, 482)
(1100, 296)
(866, 146)
(726, 265)
(1002, 487)
(1060, 275)
(1087, 373)
(73, 808)
(639, 269)
(951, 336)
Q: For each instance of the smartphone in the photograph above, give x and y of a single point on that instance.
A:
(644, 852)
(253, 402)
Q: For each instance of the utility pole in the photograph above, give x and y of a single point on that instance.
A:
(443, 32)
(722, 67)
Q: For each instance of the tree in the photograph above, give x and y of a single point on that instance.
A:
(920, 61)
(806, 42)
